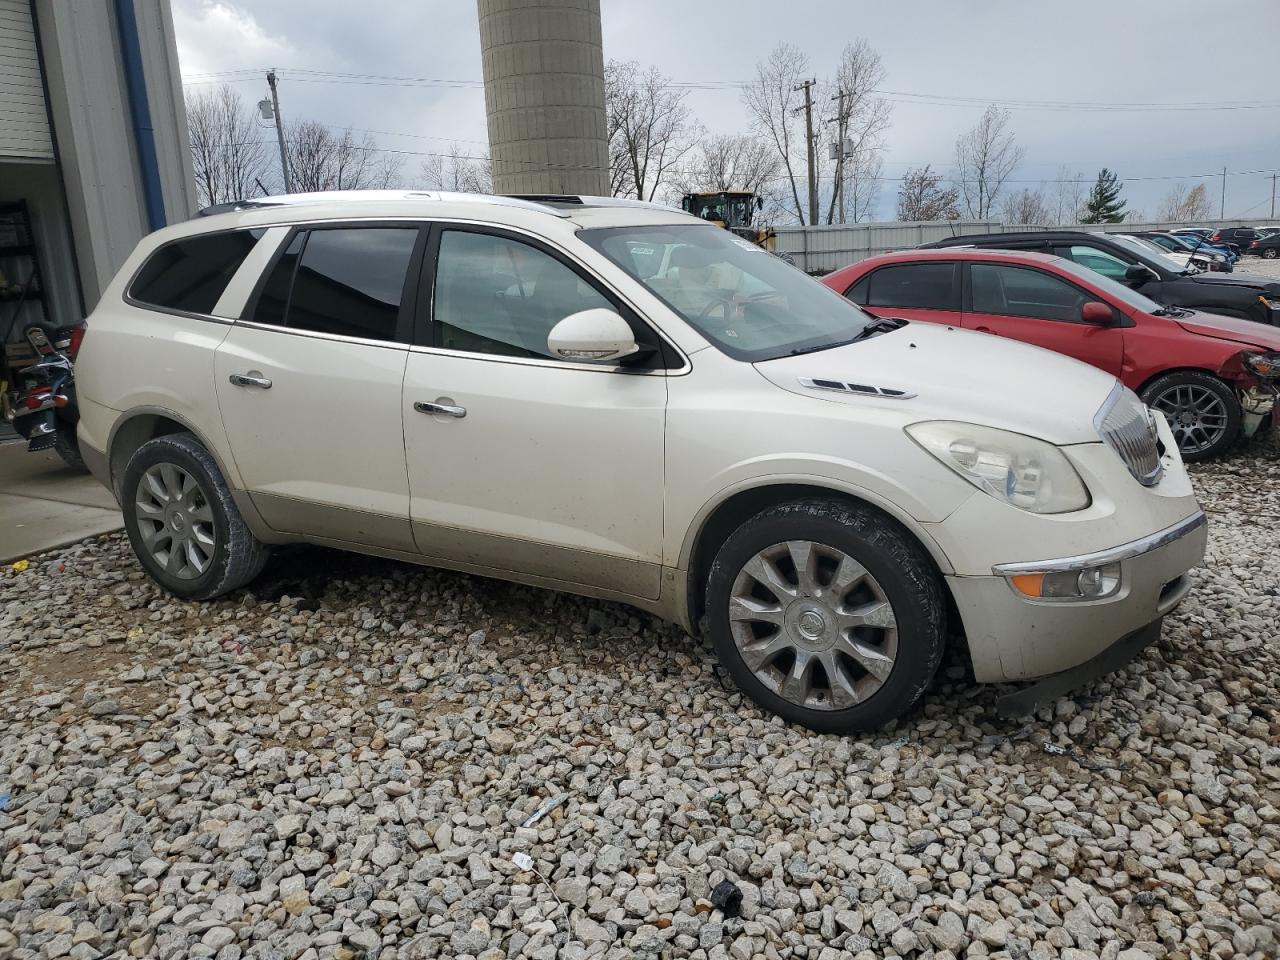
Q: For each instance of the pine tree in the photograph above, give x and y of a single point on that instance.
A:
(1104, 204)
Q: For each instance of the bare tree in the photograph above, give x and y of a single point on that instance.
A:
(650, 128)
(458, 172)
(985, 157)
(772, 99)
(859, 121)
(229, 151)
(922, 197)
(1068, 196)
(1027, 207)
(319, 159)
(729, 162)
(1182, 204)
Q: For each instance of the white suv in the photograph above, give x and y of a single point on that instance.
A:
(620, 400)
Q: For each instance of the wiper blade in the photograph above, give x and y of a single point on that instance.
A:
(879, 325)
(799, 351)
(1171, 312)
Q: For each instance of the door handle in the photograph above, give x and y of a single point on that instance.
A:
(983, 329)
(440, 409)
(244, 380)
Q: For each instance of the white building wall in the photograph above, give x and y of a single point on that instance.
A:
(93, 128)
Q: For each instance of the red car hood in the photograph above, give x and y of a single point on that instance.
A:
(1248, 332)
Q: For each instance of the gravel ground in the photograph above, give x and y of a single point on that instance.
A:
(352, 759)
(1266, 268)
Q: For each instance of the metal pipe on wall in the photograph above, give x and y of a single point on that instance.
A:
(140, 111)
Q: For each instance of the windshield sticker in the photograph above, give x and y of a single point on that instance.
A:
(745, 244)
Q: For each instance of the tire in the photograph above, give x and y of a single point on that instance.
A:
(895, 571)
(218, 552)
(1186, 398)
(67, 446)
(1269, 253)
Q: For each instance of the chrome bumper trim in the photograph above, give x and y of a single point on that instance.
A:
(1125, 551)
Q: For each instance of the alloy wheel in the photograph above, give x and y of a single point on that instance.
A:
(813, 625)
(175, 521)
(1197, 416)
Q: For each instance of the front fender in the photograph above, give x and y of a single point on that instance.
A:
(824, 480)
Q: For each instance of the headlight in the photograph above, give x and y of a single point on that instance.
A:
(1263, 364)
(1027, 473)
(1086, 583)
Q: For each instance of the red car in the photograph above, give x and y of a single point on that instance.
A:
(1213, 377)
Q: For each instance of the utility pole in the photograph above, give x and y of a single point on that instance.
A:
(837, 200)
(807, 87)
(1222, 210)
(275, 108)
(1273, 196)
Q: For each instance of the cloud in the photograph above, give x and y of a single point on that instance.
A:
(215, 36)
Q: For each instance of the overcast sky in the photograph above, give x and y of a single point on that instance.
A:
(1174, 52)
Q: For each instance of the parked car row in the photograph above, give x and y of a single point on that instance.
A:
(621, 400)
(1261, 241)
(1198, 251)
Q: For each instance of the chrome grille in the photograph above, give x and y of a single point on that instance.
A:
(1126, 426)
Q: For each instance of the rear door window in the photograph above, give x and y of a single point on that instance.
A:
(189, 275)
(344, 281)
(924, 286)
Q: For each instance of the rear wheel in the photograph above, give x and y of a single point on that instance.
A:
(827, 614)
(67, 446)
(182, 522)
(1202, 411)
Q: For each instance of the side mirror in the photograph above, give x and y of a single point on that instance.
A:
(1097, 312)
(1140, 273)
(596, 334)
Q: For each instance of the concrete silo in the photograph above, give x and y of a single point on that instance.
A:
(544, 95)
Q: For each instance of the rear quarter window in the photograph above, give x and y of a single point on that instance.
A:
(189, 275)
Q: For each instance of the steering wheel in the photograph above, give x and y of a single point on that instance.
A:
(725, 303)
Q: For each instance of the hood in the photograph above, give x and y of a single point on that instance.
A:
(952, 374)
(1248, 333)
(1241, 279)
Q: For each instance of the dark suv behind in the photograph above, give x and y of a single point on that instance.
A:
(1235, 295)
(1238, 237)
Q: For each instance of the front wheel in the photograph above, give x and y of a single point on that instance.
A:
(182, 522)
(827, 614)
(1202, 411)
(1270, 253)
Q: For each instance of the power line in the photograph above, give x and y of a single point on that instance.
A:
(302, 75)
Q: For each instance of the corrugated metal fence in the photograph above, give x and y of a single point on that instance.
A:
(824, 248)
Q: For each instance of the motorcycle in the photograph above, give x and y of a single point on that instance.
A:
(41, 400)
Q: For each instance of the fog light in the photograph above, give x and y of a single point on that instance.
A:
(1088, 583)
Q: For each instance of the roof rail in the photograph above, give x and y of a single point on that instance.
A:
(385, 196)
(585, 200)
(232, 206)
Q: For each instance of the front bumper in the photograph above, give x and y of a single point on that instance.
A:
(1013, 637)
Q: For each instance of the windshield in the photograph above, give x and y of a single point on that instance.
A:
(746, 301)
(1112, 288)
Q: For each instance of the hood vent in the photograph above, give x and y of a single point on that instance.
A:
(860, 389)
